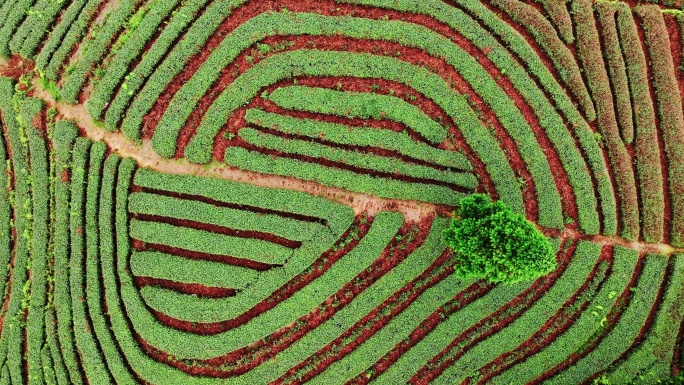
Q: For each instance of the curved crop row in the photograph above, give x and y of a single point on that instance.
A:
(358, 136)
(60, 43)
(616, 69)
(28, 36)
(63, 347)
(590, 53)
(209, 242)
(6, 210)
(192, 41)
(165, 137)
(131, 48)
(354, 159)
(628, 326)
(240, 220)
(359, 105)
(16, 12)
(170, 267)
(31, 110)
(15, 113)
(669, 106)
(137, 77)
(200, 147)
(96, 48)
(86, 168)
(544, 34)
(647, 153)
(348, 180)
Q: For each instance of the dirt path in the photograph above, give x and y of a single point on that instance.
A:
(146, 157)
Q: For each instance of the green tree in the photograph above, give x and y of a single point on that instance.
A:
(494, 243)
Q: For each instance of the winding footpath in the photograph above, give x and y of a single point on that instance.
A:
(143, 154)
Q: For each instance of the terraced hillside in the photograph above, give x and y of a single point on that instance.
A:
(254, 191)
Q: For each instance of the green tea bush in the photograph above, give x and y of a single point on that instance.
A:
(342, 134)
(32, 31)
(121, 60)
(668, 102)
(135, 79)
(648, 167)
(96, 48)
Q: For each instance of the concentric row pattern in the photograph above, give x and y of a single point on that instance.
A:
(570, 112)
(415, 100)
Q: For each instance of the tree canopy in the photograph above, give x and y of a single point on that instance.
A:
(494, 243)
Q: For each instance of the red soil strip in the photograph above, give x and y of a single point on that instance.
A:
(376, 319)
(263, 350)
(560, 175)
(221, 204)
(555, 326)
(359, 149)
(149, 45)
(40, 123)
(16, 66)
(186, 288)
(611, 319)
(532, 42)
(646, 327)
(107, 61)
(490, 325)
(357, 231)
(335, 165)
(462, 299)
(667, 199)
(221, 230)
(70, 57)
(234, 261)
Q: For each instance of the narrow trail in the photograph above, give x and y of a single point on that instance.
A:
(641, 247)
(145, 156)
